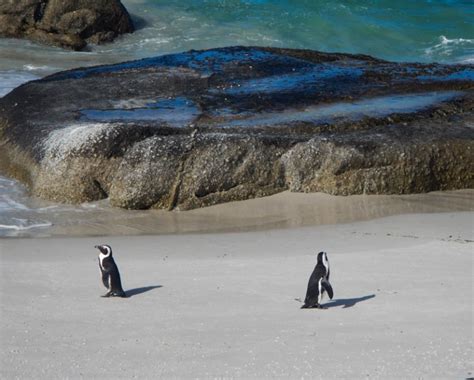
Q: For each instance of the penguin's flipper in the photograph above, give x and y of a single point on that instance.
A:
(328, 288)
(105, 270)
(105, 279)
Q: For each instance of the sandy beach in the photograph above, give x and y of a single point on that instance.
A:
(222, 305)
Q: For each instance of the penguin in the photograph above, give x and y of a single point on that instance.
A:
(110, 272)
(318, 283)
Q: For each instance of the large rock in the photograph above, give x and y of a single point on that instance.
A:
(198, 128)
(65, 23)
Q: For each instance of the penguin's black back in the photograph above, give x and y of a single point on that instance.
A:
(312, 293)
(110, 269)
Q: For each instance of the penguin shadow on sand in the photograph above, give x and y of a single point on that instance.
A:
(137, 291)
(347, 302)
(319, 284)
(111, 277)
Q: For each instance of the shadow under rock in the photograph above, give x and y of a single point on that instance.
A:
(139, 22)
(136, 291)
(348, 302)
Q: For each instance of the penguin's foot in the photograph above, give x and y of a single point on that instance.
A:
(118, 295)
(315, 306)
(106, 295)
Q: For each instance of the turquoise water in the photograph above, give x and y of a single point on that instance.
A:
(403, 30)
(397, 30)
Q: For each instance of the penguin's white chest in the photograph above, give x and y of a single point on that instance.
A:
(326, 264)
(101, 259)
(320, 290)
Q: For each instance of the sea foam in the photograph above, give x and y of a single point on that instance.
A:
(16, 214)
(463, 48)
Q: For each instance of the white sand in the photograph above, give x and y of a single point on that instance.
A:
(403, 305)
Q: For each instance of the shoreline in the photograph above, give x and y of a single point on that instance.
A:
(279, 211)
(222, 305)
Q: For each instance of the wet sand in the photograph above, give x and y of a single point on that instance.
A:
(222, 305)
(283, 210)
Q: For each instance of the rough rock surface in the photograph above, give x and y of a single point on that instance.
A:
(202, 127)
(65, 23)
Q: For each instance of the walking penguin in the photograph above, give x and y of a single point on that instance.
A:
(110, 272)
(318, 283)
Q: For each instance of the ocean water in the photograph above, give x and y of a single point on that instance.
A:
(398, 30)
(401, 30)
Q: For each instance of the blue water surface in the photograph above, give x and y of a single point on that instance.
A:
(397, 30)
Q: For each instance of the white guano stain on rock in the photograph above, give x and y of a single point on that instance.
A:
(71, 164)
(76, 138)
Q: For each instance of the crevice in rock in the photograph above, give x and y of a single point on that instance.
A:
(174, 193)
(39, 10)
(101, 190)
(175, 189)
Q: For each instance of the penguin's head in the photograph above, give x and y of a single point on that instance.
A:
(105, 249)
(323, 258)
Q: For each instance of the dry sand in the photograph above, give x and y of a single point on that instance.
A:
(223, 305)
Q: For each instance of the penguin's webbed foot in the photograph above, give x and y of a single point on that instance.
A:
(315, 306)
(309, 306)
(117, 293)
